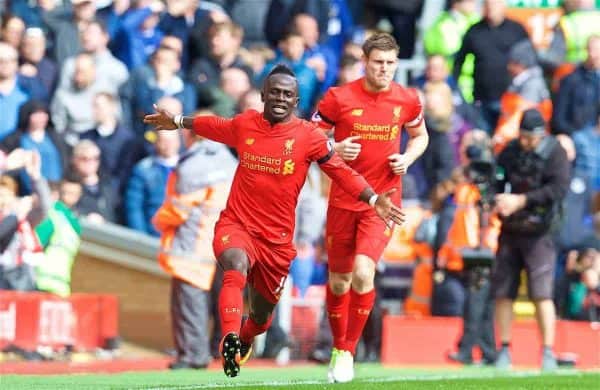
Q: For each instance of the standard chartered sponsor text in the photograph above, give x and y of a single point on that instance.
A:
(374, 132)
(261, 163)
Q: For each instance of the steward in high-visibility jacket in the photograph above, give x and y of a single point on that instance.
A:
(464, 232)
(527, 90)
(197, 191)
(59, 235)
(445, 37)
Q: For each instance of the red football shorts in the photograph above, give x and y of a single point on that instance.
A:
(351, 233)
(269, 263)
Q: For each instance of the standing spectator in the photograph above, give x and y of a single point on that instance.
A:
(99, 199)
(574, 106)
(291, 53)
(72, 105)
(146, 186)
(145, 88)
(489, 41)
(139, 35)
(526, 90)
(113, 138)
(111, 73)
(234, 84)
(65, 23)
(445, 36)
(535, 183)
(34, 62)
(197, 191)
(319, 57)
(224, 41)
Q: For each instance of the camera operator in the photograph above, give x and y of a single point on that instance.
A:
(467, 248)
(536, 179)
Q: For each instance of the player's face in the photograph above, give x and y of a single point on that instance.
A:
(380, 68)
(280, 94)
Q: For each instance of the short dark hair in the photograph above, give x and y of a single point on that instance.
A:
(281, 69)
(380, 41)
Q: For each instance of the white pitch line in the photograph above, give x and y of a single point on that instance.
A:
(513, 374)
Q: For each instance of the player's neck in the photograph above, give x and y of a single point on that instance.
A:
(373, 89)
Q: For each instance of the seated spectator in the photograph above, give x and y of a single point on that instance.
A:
(139, 35)
(146, 186)
(572, 109)
(72, 106)
(59, 236)
(112, 137)
(251, 100)
(99, 198)
(587, 144)
(34, 62)
(351, 68)
(36, 134)
(583, 301)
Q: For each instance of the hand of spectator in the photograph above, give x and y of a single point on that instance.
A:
(95, 218)
(347, 148)
(47, 5)
(218, 17)
(22, 206)
(399, 163)
(387, 210)
(319, 65)
(121, 6)
(16, 159)
(33, 165)
(507, 204)
(28, 70)
(157, 6)
(162, 120)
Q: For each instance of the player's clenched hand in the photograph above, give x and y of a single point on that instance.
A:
(399, 163)
(387, 210)
(348, 149)
(162, 120)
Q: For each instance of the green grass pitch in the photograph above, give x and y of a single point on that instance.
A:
(368, 376)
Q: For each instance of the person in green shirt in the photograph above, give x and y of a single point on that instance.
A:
(60, 236)
(445, 37)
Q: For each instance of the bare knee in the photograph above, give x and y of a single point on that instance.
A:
(339, 283)
(363, 274)
(235, 260)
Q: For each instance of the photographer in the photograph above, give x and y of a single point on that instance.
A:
(468, 244)
(536, 180)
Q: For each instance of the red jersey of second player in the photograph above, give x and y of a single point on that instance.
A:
(273, 163)
(378, 119)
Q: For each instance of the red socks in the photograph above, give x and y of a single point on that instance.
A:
(358, 314)
(337, 312)
(251, 329)
(231, 302)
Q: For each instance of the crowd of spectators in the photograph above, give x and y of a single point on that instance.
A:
(78, 76)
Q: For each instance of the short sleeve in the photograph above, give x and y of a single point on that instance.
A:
(415, 110)
(327, 111)
(320, 148)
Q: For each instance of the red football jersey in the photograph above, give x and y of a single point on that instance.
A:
(273, 164)
(378, 119)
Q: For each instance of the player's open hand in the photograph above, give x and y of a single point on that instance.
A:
(399, 163)
(162, 120)
(348, 149)
(387, 210)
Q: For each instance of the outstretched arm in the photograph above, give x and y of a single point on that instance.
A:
(208, 126)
